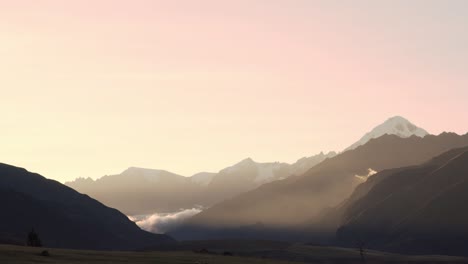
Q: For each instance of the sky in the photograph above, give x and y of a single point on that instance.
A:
(89, 88)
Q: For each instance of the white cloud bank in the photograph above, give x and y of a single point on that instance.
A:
(162, 223)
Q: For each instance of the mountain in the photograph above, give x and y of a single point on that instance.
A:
(304, 164)
(396, 125)
(241, 177)
(138, 191)
(202, 178)
(62, 217)
(418, 209)
(285, 205)
(141, 191)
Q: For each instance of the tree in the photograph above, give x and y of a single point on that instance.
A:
(33, 239)
(362, 250)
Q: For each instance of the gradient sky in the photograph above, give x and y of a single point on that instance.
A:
(90, 88)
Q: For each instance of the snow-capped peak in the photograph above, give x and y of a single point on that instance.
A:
(396, 125)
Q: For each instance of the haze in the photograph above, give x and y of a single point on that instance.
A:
(191, 87)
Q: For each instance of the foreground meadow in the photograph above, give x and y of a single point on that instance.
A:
(292, 254)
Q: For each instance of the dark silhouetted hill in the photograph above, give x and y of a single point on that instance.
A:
(419, 209)
(63, 217)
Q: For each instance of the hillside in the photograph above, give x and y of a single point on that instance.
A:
(63, 217)
(418, 210)
(285, 205)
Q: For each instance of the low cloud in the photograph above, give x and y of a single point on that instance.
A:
(162, 223)
(364, 177)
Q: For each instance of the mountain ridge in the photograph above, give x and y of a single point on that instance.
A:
(324, 185)
(152, 190)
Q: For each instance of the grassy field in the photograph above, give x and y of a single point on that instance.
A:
(317, 254)
(292, 254)
(23, 255)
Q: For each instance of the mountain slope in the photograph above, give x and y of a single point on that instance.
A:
(396, 125)
(138, 191)
(202, 178)
(304, 164)
(63, 217)
(418, 209)
(284, 205)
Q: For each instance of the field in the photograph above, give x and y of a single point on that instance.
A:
(23, 255)
(257, 255)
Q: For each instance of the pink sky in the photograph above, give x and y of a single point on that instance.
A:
(91, 87)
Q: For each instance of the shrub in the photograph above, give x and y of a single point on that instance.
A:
(33, 239)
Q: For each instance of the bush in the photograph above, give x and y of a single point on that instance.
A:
(33, 239)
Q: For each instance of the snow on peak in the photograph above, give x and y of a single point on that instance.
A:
(396, 125)
(305, 163)
(267, 171)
